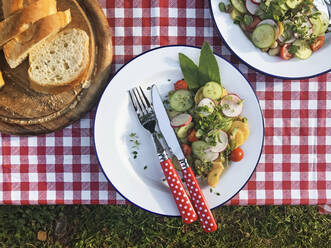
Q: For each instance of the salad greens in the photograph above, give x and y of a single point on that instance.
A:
(288, 28)
(206, 118)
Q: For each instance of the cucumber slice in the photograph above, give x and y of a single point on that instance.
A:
(182, 131)
(239, 5)
(172, 113)
(293, 3)
(181, 100)
(304, 51)
(263, 36)
(198, 96)
(212, 90)
(199, 148)
(325, 23)
(235, 14)
(317, 25)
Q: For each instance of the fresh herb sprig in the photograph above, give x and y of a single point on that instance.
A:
(197, 76)
(135, 144)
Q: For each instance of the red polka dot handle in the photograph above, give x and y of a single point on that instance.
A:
(181, 198)
(206, 217)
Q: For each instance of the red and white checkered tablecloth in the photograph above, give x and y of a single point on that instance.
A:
(295, 167)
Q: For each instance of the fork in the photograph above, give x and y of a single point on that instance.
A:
(147, 119)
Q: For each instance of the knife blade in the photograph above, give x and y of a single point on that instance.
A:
(164, 124)
(206, 218)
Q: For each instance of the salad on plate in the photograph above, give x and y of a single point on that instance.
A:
(206, 117)
(285, 28)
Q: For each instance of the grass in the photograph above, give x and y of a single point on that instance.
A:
(129, 226)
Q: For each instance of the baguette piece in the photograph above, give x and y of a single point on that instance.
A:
(22, 19)
(59, 62)
(2, 82)
(11, 6)
(18, 48)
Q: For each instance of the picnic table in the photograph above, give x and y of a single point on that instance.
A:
(295, 166)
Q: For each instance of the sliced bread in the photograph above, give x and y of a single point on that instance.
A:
(11, 6)
(22, 19)
(18, 48)
(60, 61)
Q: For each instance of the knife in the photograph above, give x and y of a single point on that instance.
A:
(206, 218)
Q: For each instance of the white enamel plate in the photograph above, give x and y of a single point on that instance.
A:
(240, 45)
(139, 179)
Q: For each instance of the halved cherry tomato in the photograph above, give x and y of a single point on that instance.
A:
(284, 53)
(187, 150)
(318, 43)
(250, 28)
(191, 136)
(237, 154)
(181, 84)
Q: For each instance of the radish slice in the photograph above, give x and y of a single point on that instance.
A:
(206, 102)
(256, 1)
(221, 142)
(251, 7)
(232, 105)
(181, 120)
(272, 23)
(210, 156)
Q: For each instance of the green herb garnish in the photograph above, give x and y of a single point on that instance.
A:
(208, 66)
(196, 76)
(222, 7)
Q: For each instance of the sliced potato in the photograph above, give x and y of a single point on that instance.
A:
(215, 173)
(241, 126)
(237, 139)
(224, 92)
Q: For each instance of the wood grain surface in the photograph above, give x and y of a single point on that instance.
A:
(26, 112)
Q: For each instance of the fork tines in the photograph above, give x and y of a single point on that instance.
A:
(139, 100)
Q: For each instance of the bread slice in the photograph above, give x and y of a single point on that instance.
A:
(18, 48)
(11, 6)
(60, 61)
(22, 19)
(2, 82)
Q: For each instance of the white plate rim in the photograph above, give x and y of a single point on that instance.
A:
(249, 65)
(132, 60)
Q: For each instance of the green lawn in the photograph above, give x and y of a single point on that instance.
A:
(129, 226)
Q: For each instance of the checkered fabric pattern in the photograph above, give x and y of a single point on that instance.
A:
(295, 167)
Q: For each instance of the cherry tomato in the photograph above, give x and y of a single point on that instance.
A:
(187, 150)
(181, 84)
(318, 43)
(191, 137)
(284, 53)
(237, 154)
(250, 28)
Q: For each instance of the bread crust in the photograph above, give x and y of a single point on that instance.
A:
(18, 48)
(2, 82)
(11, 6)
(21, 20)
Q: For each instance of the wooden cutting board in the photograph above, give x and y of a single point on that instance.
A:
(26, 112)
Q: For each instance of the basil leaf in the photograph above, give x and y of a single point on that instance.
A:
(189, 70)
(208, 67)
